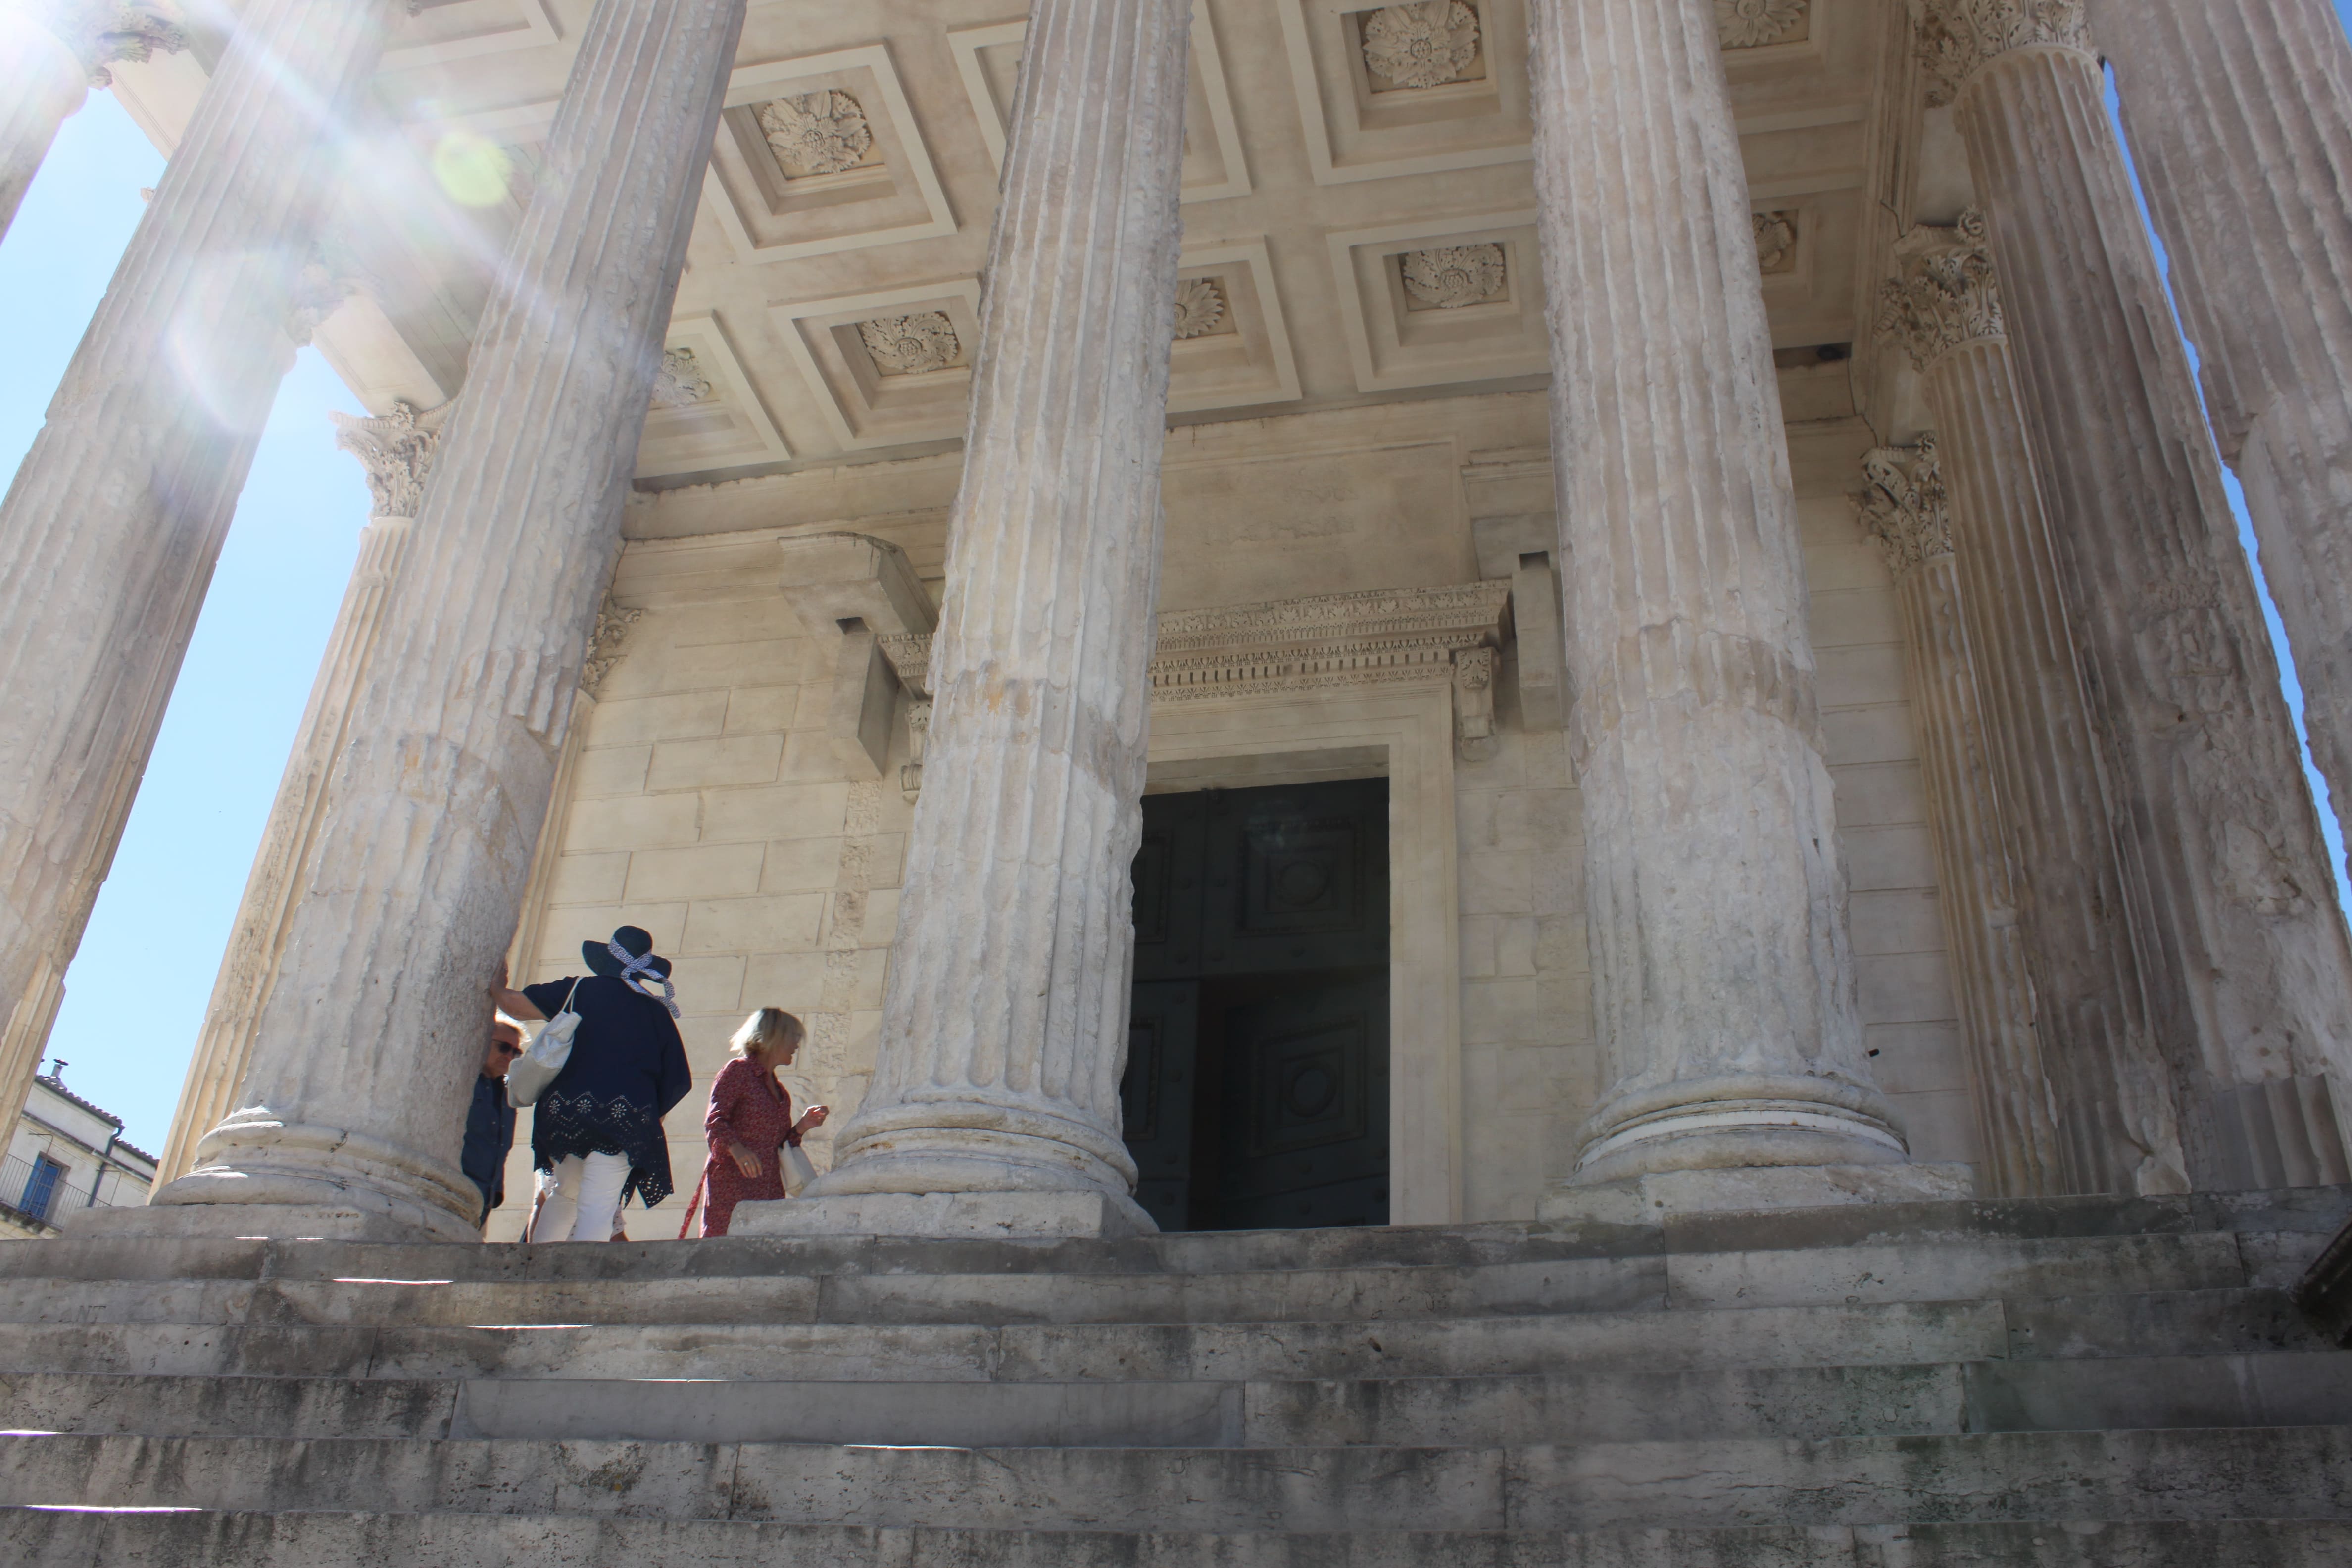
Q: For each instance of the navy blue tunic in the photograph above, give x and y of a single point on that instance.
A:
(490, 1134)
(627, 1068)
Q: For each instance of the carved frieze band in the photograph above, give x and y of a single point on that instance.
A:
(1381, 638)
(1904, 506)
(1946, 295)
(397, 449)
(1956, 36)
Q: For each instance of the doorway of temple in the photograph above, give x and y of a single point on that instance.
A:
(1256, 1093)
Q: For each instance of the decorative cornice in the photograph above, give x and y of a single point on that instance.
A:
(397, 450)
(1904, 506)
(1375, 638)
(104, 33)
(613, 625)
(1957, 36)
(1945, 294)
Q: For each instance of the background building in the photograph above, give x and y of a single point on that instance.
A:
(65, 1153)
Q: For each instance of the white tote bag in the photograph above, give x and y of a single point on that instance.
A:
(798, 1171)
(536, 1067)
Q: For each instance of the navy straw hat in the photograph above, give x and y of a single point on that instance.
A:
(636, 941)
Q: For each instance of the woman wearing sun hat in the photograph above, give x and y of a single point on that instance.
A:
(597, 1129)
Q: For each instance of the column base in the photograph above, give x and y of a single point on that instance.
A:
(1651, 1198)
(257, 1222)
(962, 1216)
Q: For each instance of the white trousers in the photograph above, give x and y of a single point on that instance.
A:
(583, 1199)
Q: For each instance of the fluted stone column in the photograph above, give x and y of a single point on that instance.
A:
(1723, 979)
(2240, 117)
(2095, 1115)
(1906, 509)
(995, 1086)
(397, 450)
(52, 52)
(369, 1036)
(110, 531)
(2249, 975)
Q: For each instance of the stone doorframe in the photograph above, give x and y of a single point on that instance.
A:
(1394, 681)
(1405, 732)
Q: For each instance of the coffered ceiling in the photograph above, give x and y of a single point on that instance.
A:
(1359, 207)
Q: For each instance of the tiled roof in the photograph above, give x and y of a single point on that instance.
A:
(47, 1081)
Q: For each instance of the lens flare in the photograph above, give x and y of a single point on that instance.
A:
(472, 169)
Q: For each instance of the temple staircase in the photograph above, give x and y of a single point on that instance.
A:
(2050, 1382)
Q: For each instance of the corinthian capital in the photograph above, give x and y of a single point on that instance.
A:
(1904, 504)
(1956, 36)
(104, 33)
(397, 449)
(1945, 294)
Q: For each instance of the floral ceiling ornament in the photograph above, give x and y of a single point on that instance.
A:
(911, 345)
(1775, 241)
(1751, 24)
(1904, 504)
(1199, 308)
(680, 384)
(1946, 295)
(815, 132)
(1956, 36)
(1426, 43)
(1454, 276)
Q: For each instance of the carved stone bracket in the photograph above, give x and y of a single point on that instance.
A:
(859, 593)
(1946, 295)
(1956, 36)
(1388, 637)
(397, 449)
(1904, 506)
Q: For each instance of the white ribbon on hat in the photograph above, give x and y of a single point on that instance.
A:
(632, 965)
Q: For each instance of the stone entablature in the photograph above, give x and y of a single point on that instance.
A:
(1381, 638)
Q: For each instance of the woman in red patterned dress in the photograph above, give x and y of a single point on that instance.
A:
(751, 1117)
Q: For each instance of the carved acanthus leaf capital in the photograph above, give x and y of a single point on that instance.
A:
(613, 624)
(1946, 295)
(104, 33)
(1956, 36)
(397, 449)
(1904, 504)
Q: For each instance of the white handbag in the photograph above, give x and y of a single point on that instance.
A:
(537, 1068)
(798, 1171)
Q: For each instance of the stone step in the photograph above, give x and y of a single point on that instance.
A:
(1959, 1270)
(2159, 1322)
(1615, 1405)
(45, 1538)
(2304, 1473)
(1893, 1334)
(2316, 1210)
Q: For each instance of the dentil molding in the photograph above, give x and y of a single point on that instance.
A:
(1385, 637)
(1956, 36)
(1945, 294)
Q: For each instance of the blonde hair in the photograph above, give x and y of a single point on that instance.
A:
(766, 1027)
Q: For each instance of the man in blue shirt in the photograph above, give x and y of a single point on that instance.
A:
(490, 1120)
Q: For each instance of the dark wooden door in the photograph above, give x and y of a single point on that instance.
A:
(1304, 1123)
(1156, 1097)
(1256, 1088)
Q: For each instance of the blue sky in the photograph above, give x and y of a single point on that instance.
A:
(135, 996)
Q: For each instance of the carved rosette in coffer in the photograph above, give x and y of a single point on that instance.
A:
(1387, 637)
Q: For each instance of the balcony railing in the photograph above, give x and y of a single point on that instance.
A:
(26, 1194)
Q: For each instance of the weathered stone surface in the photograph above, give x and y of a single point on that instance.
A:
(2240, 124)
(2250, 975)
(979, 1215)
(371, 1036)
(2067, 1109)
(1662, 1195)
(110, 527)
(1722, 976)
(1004, 1021)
